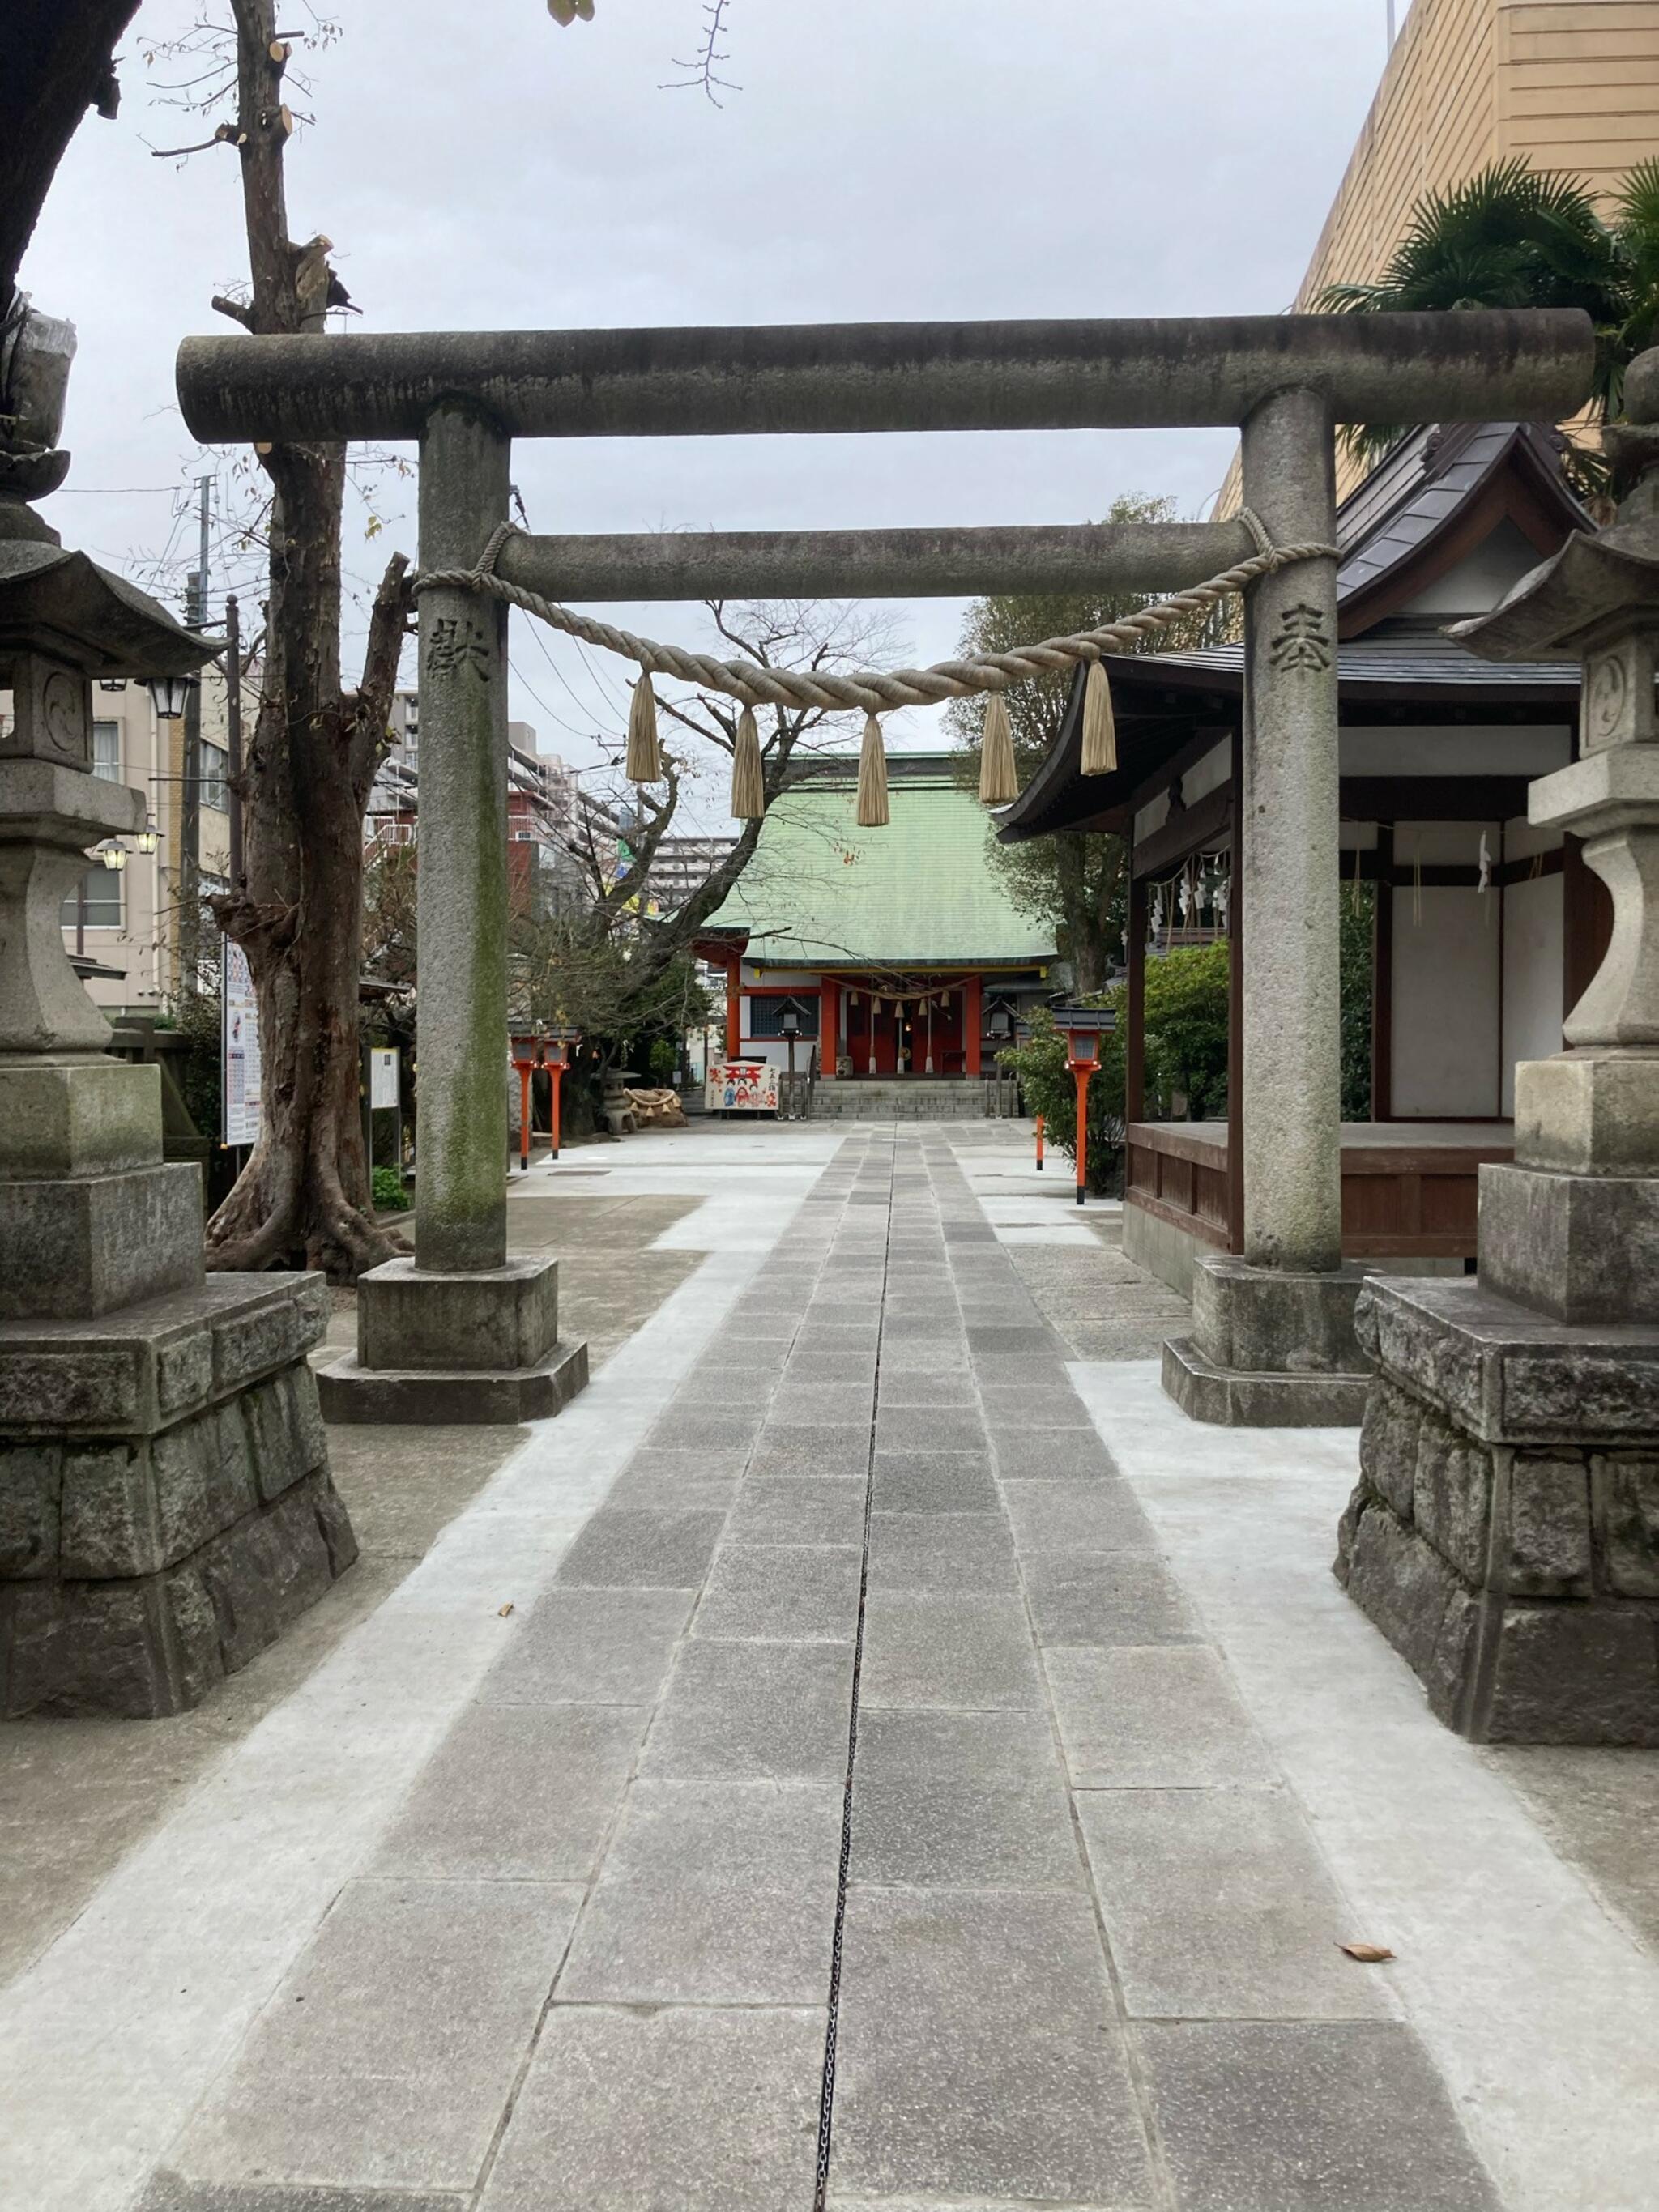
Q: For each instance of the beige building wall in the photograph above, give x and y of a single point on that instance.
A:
(132, 917)
(1571, 84)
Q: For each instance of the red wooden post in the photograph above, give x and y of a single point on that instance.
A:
(828, 1025)
(973, 1020)
(733, 1009)
(556, 1075)
(1039, 1135)
(1083, 1073)
(1082, 1025)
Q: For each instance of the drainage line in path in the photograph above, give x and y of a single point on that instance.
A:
(827, 2093)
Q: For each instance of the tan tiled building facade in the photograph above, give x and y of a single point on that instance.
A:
(1573, 85)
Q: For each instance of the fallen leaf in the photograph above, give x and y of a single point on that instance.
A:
(505, 1609)
(1369, 1954)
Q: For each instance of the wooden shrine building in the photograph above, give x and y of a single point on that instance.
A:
(1485, 929)
(898, 947)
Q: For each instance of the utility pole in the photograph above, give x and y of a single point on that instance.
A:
(233, 734)
(1391, 25)
(190, 840)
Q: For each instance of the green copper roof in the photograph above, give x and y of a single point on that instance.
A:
(920, 893)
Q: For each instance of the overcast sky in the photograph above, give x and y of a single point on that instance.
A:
(479, 167)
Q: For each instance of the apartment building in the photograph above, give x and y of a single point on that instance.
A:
(124, 922)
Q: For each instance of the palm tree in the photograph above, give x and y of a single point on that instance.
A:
(1514, 236)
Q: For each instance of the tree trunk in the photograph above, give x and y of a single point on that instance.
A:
(56, 61)
(304, 1194)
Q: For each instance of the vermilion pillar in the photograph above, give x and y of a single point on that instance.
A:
(973, 1020)
(828, 1025)
(733, 1009)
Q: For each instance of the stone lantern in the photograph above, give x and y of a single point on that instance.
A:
(165, 1500)
(1505, 1532)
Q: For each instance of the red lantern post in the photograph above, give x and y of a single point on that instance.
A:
(1039, 1139)
(527, 1053)
(561, 1041)
(1083, 1026)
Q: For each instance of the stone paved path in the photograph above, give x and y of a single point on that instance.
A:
(1082, 1952)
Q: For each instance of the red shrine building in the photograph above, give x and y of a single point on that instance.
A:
(895, 952)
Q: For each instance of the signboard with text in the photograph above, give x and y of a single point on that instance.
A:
(241, 1072)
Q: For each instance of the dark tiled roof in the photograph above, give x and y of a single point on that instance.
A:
(1418, 487)
(1400, 651)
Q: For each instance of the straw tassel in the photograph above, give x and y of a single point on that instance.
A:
(748, 777)
(644, 754)
(999, 782)
(872, 778)
(1099, 727)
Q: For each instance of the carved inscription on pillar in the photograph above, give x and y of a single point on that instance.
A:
(1302, 641)
(458, 643)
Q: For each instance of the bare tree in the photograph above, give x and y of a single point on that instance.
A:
(305, 783)
(799, 634)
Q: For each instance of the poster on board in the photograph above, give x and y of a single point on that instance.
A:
(241, 1072)
(382, 1076)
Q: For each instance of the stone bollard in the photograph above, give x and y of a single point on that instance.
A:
(1505, 1534)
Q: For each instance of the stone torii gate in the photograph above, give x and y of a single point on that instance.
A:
(1284, 381)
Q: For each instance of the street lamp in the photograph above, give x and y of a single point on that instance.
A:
(1083, 1026)
(789, 1028)
(560, 1041)
(147, 837)
(169, 695)
(113, 855)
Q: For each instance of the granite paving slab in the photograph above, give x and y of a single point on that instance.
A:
(711, 1893)
(609, 1647)
(1161, 1718)
(386, 2053)
(694, 2109)
(1287, 2116)
(518, 1793)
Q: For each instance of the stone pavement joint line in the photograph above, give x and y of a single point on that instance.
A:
(862, 1819)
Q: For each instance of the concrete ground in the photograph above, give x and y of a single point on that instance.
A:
(871, 1750)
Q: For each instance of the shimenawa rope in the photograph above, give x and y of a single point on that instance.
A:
(874, 691)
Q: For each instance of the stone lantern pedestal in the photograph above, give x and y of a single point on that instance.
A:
(1505, 1534)
(165, 1500)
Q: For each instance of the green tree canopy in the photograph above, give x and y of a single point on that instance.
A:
(1514, 236)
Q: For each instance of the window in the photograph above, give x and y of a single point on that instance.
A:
(103, 900)
(765, 1017)
(106, 751)
(212, 763)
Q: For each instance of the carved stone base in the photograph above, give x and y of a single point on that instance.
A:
(1231, 1397)
(1504, 1533)
(166, 1508)
(447, 1346)
(352, 1392)
(1270, 1348)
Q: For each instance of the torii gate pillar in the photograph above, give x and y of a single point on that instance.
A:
(460, 1332)
(1273, 1341)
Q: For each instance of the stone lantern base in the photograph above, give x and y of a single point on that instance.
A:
(166, 1508)
(1505, 1534)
